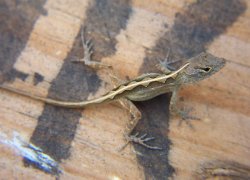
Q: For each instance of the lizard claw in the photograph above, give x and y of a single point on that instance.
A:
(141, 140)
(184, 114)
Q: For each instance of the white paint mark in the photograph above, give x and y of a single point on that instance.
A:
(31, 152)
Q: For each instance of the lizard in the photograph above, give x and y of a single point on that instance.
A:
(141, 88)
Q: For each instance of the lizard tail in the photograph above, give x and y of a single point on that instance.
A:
(59, 103)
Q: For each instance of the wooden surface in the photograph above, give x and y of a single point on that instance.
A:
(39, 39)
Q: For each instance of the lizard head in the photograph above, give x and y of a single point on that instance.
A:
(202, 66)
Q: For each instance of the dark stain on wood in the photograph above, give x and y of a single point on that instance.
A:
(17, 19)
(154, 122)
(12, 74)
(37, 78)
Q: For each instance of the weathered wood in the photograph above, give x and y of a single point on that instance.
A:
(38, 40)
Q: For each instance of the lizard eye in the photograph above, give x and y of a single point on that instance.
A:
(204, 69)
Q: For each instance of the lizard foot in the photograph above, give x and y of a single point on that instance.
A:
(185, 117)
(139, 140)
(142, 140)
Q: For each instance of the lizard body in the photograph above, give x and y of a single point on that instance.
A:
(143, 88)
(120, 91)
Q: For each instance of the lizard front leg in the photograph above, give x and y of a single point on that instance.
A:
(87, 47)
(136, 116)
(183, 113)
(164, 66)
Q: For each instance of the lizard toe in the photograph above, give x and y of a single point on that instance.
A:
(142, 140)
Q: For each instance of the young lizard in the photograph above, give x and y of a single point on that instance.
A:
(142, 88)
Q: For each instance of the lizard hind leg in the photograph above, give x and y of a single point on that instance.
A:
(136, 116)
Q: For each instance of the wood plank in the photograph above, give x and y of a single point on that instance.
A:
(131, 36)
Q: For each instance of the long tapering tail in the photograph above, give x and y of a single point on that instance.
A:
(60, 103)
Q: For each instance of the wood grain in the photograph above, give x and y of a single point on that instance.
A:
(131, 36)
